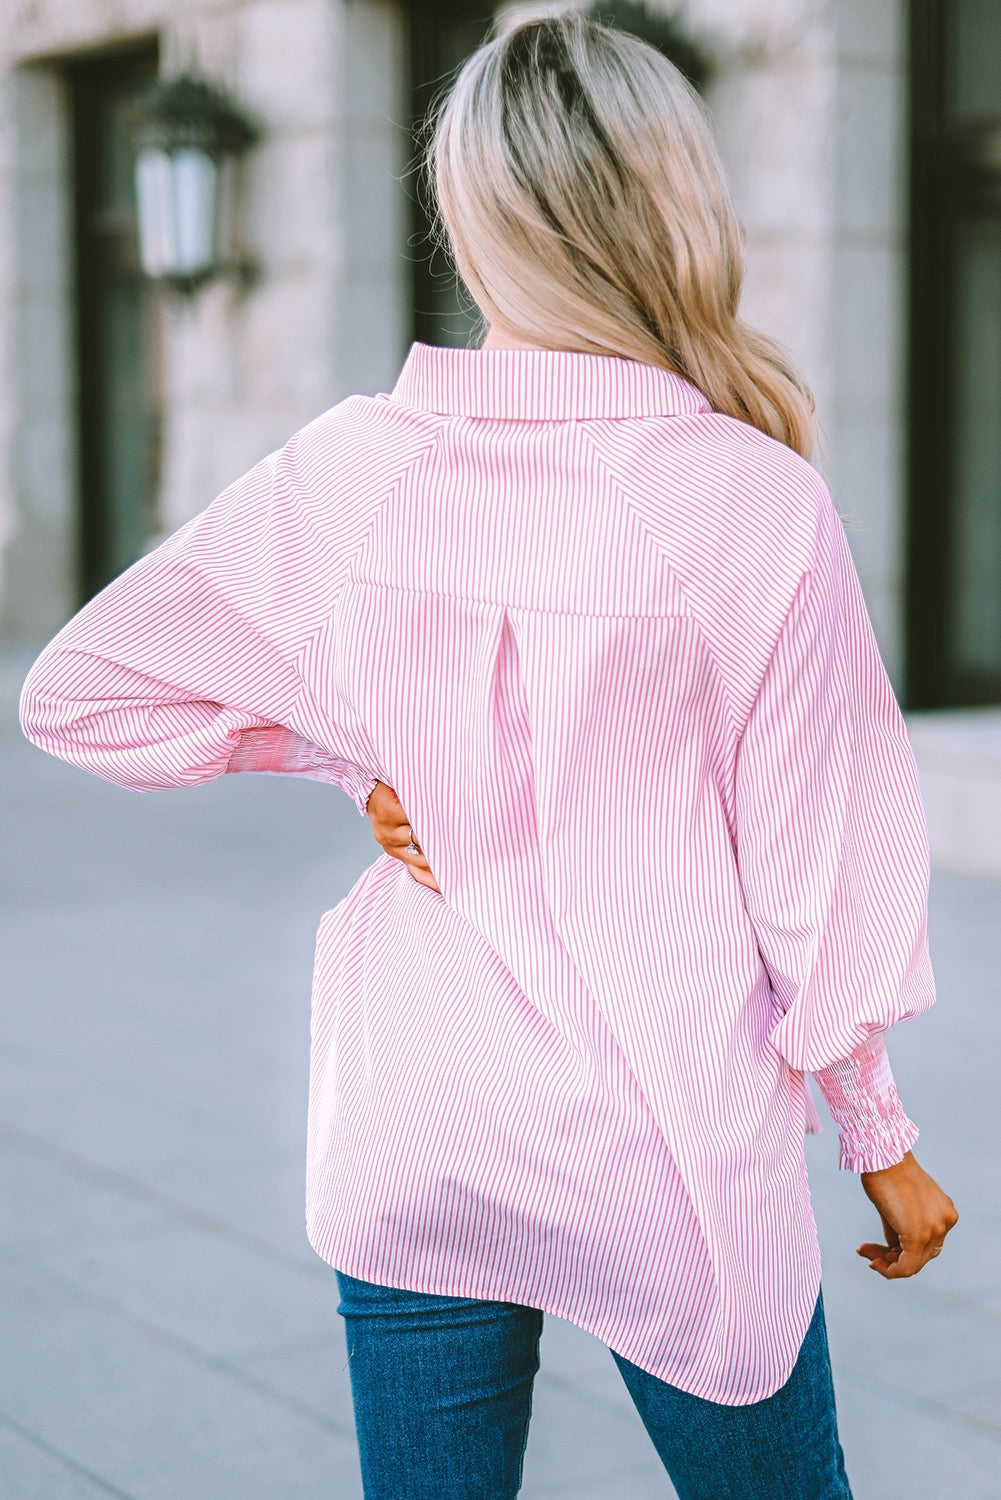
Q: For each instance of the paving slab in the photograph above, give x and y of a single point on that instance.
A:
(29, 1471)
(895, 1446)
(47, 1203)
(206, 1290)
(312, 1372)
(581, 1446)
(577, 1360)
(145, 1413)
(167, 1330)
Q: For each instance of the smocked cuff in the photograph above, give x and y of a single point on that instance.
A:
(363, 785)
(860, 1092)
(277, 751)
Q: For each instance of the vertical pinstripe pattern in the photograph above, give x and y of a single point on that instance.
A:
(610, 649)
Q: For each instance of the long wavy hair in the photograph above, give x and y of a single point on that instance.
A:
(581, 192)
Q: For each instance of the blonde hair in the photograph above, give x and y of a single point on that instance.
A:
(581, 191)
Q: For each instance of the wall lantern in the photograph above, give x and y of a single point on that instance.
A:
(188, 135)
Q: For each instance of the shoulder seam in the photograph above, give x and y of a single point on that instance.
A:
(430, 441)
(676, 573)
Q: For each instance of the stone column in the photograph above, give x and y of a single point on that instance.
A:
(38, 497)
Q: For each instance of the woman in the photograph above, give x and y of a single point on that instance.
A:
(578, 598)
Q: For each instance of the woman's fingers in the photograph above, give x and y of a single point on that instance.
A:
(417, 863)
(916, 1215)
(880, 1257)
(386, 815)
(393, 832)
(908, 1261)
(885, 1254)
(421, 871)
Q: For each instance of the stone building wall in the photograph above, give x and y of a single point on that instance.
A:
(37, 377)
(324, 228)
(808, 99)
(868, 304)
(323, 222)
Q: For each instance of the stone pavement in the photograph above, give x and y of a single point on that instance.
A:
(166, 1332)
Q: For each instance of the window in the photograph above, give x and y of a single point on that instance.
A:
(954, 544)
(117, 325)
(442, 35)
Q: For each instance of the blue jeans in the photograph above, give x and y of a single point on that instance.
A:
(442, 1390)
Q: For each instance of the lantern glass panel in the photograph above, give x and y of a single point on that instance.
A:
(177, 193)
(195, 185)
(154, 194)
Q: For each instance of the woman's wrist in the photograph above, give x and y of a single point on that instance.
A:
(899, 1169)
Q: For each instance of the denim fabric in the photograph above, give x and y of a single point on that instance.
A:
(442, 1390)
(783, 1448)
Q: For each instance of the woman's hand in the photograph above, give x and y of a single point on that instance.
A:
(916, 1216)
(393, 831)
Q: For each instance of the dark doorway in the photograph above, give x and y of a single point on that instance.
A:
(442, 35)
(118, 344)
(954, 575)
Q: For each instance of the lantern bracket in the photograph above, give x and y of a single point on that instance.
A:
(187, 131)
(186, 111)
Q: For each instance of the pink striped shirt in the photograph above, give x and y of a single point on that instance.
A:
(610, 648)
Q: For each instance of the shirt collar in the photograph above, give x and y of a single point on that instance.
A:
(540, 385)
